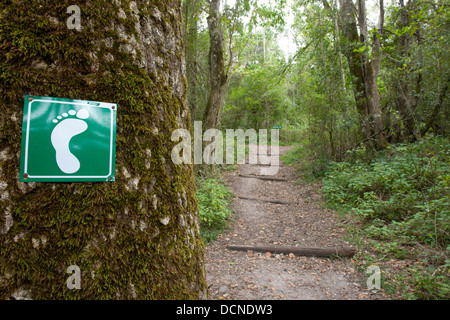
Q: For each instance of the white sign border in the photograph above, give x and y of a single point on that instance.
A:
(111, 106)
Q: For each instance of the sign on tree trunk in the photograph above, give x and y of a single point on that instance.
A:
(68, 140)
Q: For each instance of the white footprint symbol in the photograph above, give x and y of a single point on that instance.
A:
(63, 132)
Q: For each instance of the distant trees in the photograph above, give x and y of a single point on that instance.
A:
(136, 237)
(258, 92)
(396, 72)
(214, 54)
(364, 73)
(417, 69)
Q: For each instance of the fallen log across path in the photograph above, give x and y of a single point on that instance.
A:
(264, 200)
(298, 251)
(263, 178)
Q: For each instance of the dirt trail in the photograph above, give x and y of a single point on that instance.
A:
(250, 275)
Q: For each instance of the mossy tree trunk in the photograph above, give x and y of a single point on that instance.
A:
(218, 77)
(134, 238)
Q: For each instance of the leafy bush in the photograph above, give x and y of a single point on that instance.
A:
(214, 198)
(406, 187)
(401, 197)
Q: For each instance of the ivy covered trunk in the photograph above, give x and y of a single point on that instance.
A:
(137, 237)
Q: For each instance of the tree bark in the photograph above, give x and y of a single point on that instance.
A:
(364, 71)
(373, 70)
(137, 237)
(192, 53)
(217, 73)
(355, 63)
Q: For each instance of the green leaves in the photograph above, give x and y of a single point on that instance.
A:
(401, 200)
(213, 198)
(407, 188)
(362, 49)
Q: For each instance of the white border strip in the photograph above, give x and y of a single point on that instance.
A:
(101, 105)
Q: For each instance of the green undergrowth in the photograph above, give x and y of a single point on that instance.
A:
(310, 164)
(398, 202)
(214, 199)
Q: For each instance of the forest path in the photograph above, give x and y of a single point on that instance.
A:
(237, 275)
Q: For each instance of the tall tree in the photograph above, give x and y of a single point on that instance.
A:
(135, 238)
(196, 46)
(218, 77)
(405, 104)
(364, 68)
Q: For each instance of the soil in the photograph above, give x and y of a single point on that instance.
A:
(237, 275)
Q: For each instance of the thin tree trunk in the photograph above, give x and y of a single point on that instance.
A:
(403, 91)
(217, 73)
(355, 63)
(430, 121)
(339, 49)
(373, 70)
(191, 16)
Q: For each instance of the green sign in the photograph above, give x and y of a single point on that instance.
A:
(277, 127)
(67, 140)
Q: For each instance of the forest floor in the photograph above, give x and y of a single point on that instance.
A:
(240, 275)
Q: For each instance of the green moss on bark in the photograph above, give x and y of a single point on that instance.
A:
(134, 238)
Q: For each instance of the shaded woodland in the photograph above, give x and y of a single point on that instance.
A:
(361, 89)
(372, 73)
